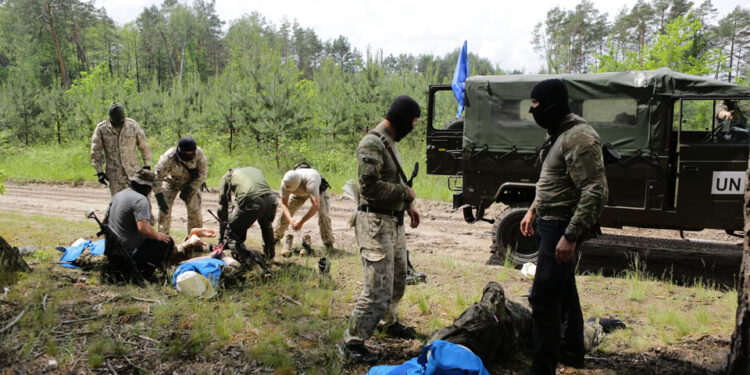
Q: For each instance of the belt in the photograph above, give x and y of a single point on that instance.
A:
(384, 211)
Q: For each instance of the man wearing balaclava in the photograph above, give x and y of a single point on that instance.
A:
(379, 229)
(116, 140)
(180, 172)
(570, 195)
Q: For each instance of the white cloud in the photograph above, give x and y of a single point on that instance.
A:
(499, 30)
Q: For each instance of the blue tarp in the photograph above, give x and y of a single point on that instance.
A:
(210, 268)
(73, 252)
(445, 359)
(459, 79)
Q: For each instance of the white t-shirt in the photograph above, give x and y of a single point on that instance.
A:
(308, 186)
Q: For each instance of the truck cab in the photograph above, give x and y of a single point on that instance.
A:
(673, 159)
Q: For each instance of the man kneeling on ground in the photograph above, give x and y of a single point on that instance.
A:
(129, 220)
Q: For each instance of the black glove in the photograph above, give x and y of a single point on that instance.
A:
(163, 207)
(102, 178)
(204, 188)
(147, 167)
(185, 193)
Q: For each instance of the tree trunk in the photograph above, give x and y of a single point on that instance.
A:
(731, 56)
(135, 53)
(59, 136)
(51, 20)
(276, 146)
(739, 354)
(79, 47)
(11, 260)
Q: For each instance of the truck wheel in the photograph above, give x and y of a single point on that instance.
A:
(507, 239)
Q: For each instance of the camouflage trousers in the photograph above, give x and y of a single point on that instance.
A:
(192, 203)
(592, 336)
(118, 179)
(324, 218)
(382, 244)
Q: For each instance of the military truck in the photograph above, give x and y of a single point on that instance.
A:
(670, 163)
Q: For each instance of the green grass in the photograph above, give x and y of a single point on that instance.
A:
(70, 163)
(257, 325)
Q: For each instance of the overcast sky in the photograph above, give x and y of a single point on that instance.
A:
(496, 29)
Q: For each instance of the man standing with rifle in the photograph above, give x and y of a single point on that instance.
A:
(379, 226)
(180, 171)
(253, 200)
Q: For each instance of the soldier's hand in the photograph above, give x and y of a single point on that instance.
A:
(102, 178)
(527, 223)
(412, 195)
(163, 207)
(162, 237)
(413, 216)
(565, 250)
(296, 225)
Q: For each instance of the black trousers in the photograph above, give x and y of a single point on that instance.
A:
(556, 310)
(151, 255)
(262, 209)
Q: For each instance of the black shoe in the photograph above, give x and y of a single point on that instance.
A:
(401, 331)
(611, 324)
(358, 353)
(571, 361)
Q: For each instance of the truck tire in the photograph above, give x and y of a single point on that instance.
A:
(507, 239)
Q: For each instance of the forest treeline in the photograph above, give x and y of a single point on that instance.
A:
(179, 69)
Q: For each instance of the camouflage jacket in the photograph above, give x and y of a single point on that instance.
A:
(172, 170)
(379, 182)
(497, 338)
(572, 185)
(119, 148)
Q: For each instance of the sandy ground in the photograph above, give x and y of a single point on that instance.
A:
(442, 231)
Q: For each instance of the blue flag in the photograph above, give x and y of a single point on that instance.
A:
(459, 77)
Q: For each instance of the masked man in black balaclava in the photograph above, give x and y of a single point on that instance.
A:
(116, 140)
(180, 171)
(384, 196)
(570, 196)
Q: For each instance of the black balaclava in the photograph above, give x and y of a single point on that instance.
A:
(186, 144)
(730, 104)
(552, 96)
(401, 114)
(144, 190)
(116, 114)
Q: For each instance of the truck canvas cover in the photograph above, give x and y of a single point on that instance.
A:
(628, 104)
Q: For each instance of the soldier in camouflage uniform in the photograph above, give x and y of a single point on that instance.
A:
(253, 201)
(380, 231)
(180, 171)
(570, 196)
(117, 138)
(500, 331)
(728, 111)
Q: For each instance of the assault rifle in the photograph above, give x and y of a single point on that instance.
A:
(111, 241)
(245, 256)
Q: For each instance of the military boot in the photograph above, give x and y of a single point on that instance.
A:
(401, 331)
(357, 353)
(288, 242)
(307, 246)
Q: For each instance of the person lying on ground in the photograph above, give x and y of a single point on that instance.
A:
(499, 331)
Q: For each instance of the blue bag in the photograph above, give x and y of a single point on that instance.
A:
(73, 252)
(445, 358)
(210, 268)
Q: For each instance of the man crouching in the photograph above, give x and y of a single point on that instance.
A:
(133, 246)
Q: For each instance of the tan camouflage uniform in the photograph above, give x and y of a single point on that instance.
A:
(324, 218)
(119, 148)
(172, 176)
(381, 241)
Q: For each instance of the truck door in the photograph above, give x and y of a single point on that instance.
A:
(444, 132)
(711, 164)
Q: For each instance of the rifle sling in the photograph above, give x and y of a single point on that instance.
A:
(393, 155)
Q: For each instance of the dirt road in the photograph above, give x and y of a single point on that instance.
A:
(442, 231)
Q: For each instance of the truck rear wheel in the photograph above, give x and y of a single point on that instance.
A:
(507, 240)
